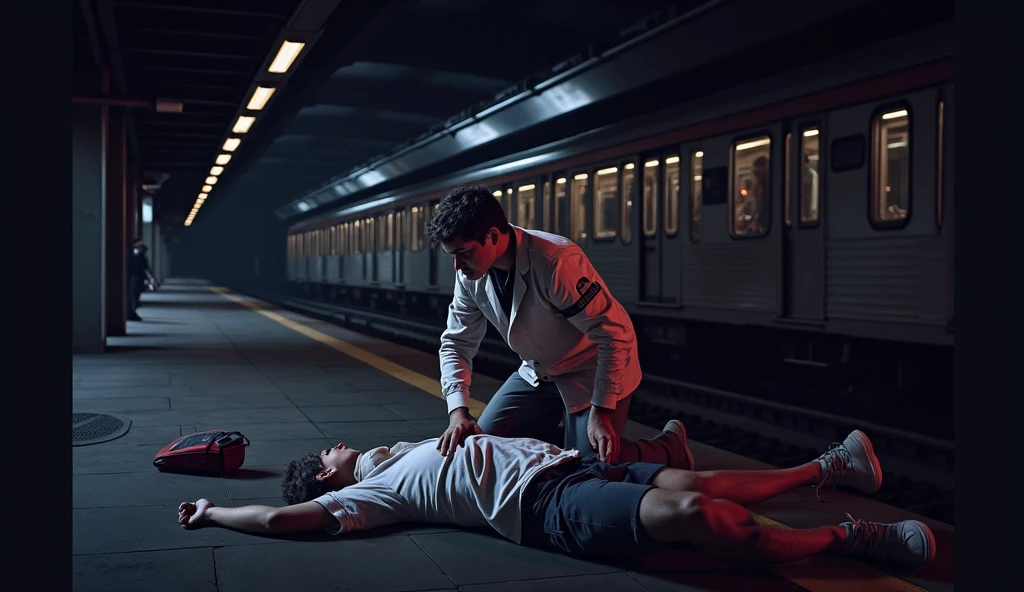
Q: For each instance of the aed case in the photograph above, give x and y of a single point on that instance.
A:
(212, 452)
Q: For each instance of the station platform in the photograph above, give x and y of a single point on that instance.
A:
(204, 357)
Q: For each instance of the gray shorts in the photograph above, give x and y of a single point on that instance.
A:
(589, 507)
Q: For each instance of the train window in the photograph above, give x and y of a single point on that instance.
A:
(628, 192)
(938, 168)
(696, 193)
(561, 219)
(546, 200)
(578, 216)
(890, 187)
(749, 193)
(525, 216)
(506, 204)
(671, 196)
(416, 227)
(786, 187)
(810, 178)
(606, 203)
(650, 209)
(333, 241)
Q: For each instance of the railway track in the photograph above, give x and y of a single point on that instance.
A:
(750, 421)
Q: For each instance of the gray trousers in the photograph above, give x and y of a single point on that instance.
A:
(519, 409)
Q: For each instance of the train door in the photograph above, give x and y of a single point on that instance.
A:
(803, 244)
(659, 229)
(401, 244)
(370, 259)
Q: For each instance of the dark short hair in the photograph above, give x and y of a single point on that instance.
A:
(300, 483)
(466, 213)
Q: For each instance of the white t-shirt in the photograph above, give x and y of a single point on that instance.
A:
(480, 484)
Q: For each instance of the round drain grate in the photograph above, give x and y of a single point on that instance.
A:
(93, 428)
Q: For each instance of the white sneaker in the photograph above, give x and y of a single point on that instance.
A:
(684, 459)
(909, 541)
(851, 464)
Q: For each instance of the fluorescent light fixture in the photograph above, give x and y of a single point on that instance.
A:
(203, 196)
(285, 56)
(754, 144)
(810, 133)
(580, 177)
(699, 154)
(672, 160)
(651, 163)
(207, 188)
(231, 143)
(497, 194)
(211, 180)
(243, 124)
(147, 211)
(607, 171)
(260, 97)
(527, 187)
(223, 159)
(895, 114)
(216, 170)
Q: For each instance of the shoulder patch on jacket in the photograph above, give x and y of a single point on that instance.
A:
(588, 290)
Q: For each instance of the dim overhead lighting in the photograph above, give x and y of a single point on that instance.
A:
(497, 194)
(260, 97)
(243, 124)
(203, 196)
(223, 159)
(216, 170)
(211, 180)
(753, 144)
(231, 143)
(895, 114)
(810, 133)
(207, 188)
(285, 56)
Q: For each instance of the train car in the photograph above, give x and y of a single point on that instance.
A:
(803, 220)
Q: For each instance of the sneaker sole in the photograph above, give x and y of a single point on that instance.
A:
(686, 445)
(929, 537)
(876, 467)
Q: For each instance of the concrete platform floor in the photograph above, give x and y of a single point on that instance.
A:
(201, 359)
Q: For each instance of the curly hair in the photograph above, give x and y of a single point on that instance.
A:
(300, 483)
(466, 213)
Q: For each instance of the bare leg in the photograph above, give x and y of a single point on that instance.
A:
(741, 487)
(712, 526)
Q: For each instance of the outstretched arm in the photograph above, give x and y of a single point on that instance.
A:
(305, 517)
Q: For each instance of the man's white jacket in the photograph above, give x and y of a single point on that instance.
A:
(565, 326)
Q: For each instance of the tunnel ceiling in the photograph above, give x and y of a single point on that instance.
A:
(377, 74)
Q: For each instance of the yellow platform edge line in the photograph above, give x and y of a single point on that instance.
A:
(820, 574)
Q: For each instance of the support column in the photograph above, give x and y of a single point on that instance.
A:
(117, 224)
(131, 201)
(88, 334)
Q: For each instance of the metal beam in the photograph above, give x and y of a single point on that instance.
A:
(105, 14)
(183, 33)
(265, 15)
(90, 27)
(192, 54)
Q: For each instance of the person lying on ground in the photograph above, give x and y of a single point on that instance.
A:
(537, 494)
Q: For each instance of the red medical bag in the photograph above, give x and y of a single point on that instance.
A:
(212, 452)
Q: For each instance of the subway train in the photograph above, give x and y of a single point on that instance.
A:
(797, 227)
